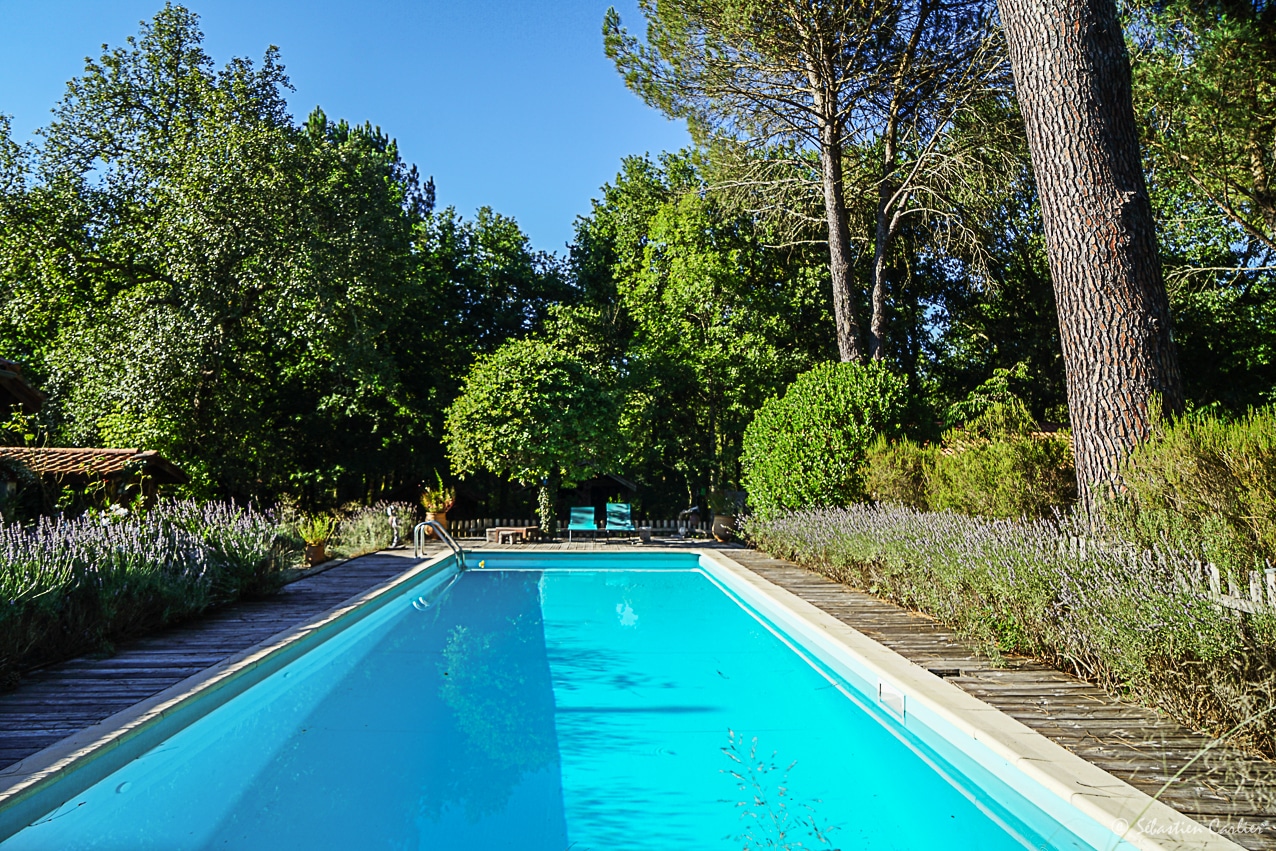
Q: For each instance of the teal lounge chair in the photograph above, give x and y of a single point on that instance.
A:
(618, 518)
(582, 521)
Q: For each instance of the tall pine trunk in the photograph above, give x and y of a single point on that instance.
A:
(845, 316)
(1072, 76)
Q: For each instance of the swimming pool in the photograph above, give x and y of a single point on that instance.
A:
(645, 701)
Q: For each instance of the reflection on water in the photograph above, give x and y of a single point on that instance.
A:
(488, 679)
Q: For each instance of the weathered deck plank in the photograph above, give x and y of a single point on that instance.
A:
(1222, 788)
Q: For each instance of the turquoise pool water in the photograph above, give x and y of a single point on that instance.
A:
(531, 708)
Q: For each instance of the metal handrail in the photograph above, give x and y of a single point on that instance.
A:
(418, 540)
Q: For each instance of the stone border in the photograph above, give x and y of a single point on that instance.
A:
(941, 708)
(38, 784)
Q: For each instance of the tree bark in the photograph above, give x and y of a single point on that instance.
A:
(1072, 77)
(882, 237)
(887, 203)
(845, 316)
(877, 273)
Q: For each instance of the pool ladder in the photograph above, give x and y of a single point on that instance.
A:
(418, 540)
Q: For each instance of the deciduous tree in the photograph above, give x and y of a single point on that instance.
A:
(879, 80)
(536, 414)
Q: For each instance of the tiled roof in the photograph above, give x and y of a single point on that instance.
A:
(14, 389)
(94, 463)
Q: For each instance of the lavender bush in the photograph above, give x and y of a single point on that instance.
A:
(1112, 613)
(70, 586)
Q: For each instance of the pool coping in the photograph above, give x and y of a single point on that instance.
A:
(28, 789)
(1104, 798)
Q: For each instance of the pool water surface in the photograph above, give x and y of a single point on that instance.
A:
(547, 709)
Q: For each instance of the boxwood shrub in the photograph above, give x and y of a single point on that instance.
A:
(807, 447)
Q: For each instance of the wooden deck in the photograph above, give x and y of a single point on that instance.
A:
(1221, 789)
(56, 701)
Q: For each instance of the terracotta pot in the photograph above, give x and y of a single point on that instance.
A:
(724, 528)
(316, 553)
(438, 516)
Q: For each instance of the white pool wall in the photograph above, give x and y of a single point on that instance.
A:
(1100, 808)
(47, 779)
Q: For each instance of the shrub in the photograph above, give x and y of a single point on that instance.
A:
(1132, 623)
(246, 547)
(366, 529)
(1015, 476)
(1205, 485)
(807, 447)
(994, 465)
(898, 471)
(70, 586)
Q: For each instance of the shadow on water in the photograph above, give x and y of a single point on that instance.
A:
(416, 732)
(494, 678)
(443, 736)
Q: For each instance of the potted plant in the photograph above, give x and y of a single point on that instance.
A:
(726, 506)
(316, 530)
(437, 501)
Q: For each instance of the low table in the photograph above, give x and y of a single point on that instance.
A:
(513, 534)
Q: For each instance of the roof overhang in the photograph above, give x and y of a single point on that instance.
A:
(14, 390)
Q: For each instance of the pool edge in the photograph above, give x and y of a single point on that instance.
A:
(121, 737)
(30, 787)
(1101, 796)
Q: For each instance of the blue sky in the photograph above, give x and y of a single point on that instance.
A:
(507, 104)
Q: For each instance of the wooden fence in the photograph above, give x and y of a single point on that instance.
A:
(1257, 595)
(478, 528)
(1260, 596)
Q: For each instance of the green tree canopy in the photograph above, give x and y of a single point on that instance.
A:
(696, 318)
(536, 414)
(277, 308)
(1205, 95)
(817, 87)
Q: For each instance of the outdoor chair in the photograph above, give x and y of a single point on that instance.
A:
(619, 519)
(582, 520)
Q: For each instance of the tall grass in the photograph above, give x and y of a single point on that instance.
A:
(71, 586)
(366, 529)
(1110, 612)
(1206, 485)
